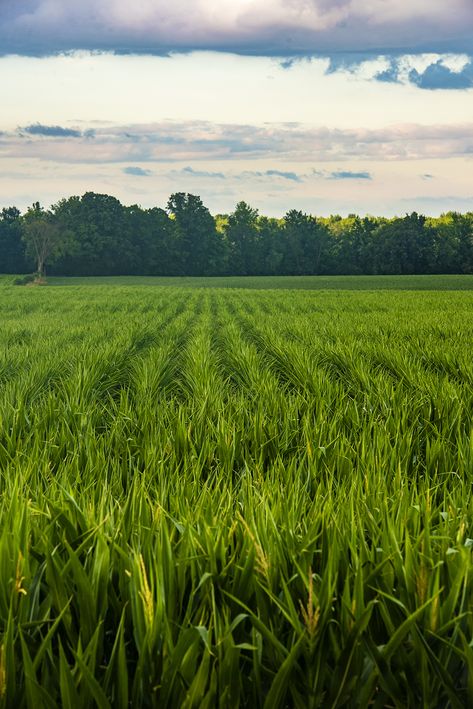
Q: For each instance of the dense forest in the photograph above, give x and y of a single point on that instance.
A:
(96, 235)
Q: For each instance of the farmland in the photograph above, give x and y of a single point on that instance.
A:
(236, 497)
(423, 282)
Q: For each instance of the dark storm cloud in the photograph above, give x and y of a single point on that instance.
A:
(263, 27)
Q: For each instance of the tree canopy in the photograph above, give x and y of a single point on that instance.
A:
(46, 239)
(96, 235)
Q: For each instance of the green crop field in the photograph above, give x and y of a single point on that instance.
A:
(223, 498)
(436, 282)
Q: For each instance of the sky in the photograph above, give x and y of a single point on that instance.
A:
(328, 106)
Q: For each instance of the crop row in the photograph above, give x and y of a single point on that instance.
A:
(229, 498)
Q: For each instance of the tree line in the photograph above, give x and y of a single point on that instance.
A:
(96, 235)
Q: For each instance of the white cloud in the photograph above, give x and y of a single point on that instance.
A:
(171, 141)
(396, 187)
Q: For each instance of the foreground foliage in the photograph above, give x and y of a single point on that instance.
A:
(233, 498)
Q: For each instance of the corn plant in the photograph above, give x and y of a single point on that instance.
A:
(229, 497)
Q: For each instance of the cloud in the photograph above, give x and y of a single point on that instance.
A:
(51, 131)
(288, 63)
(295, 177)
(348, 175)
(137, 171)
(285, 175)
(188, 142)
(347, 61)
(246, 174)
(390, 74)
(201, 173)
(439, 76)
(448, 72)
(438, 204)
(264, 27)
(292, 176)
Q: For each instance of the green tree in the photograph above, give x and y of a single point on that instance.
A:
(270, 252)
(306, 241)
(351, 244)
(405, 245)
(460, 236)
(242, 236)
(12, 248)
(102, 242)
(154, 234)
(200, 245)
(45, 237)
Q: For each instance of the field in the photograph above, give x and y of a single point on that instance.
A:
(236, 497)
(445, 282)
(422, 282)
